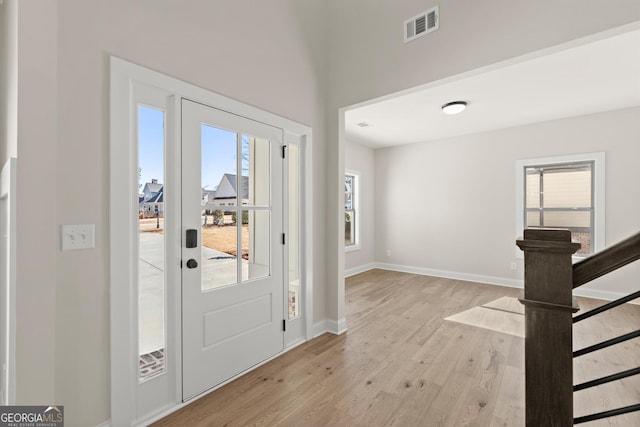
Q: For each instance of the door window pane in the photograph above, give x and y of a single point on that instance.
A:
(256, 242)
(219, 198)
(218, 167)
(219, 242)
(151, 284)
(255, 171)
(235, 241)
(256, 224)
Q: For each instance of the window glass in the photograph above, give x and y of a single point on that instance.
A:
(349, 210)
(293, 236)
(151, 283)
(561, 196)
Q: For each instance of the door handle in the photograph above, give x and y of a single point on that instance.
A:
(192, 263)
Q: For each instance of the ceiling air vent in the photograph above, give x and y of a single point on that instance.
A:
(421, 24)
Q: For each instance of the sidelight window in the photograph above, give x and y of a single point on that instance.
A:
(151, 242)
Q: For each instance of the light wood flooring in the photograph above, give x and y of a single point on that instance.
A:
(402, 364)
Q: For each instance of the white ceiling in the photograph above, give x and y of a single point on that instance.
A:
(599, 76)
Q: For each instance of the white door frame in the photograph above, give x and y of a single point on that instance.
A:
(133, 403)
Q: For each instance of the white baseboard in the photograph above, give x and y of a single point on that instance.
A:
(492, 280)
(359, 269)
(329, 325)
(320, 328)
(340, 326)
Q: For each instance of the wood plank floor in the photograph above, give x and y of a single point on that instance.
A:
(402, 364)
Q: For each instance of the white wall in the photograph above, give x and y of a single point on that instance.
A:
(369, 59)
(268, 54)
(8, 81)
(37, 231)
(456, 197)
(362, 159)
(5, 37)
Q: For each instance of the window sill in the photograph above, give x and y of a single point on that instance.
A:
(351, 248)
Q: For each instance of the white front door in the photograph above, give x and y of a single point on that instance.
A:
(232, 248)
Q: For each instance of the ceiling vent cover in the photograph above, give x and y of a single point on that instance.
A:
(421, 24)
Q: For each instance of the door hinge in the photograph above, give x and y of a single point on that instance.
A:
(283, 239)
(283, 151)
(284, 325)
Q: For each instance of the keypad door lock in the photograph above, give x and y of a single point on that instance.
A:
(191, 239)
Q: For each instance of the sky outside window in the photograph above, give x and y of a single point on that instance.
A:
(218, 148)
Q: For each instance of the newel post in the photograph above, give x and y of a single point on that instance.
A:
(549, 304)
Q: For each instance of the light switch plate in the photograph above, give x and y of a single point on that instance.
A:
(80, 236)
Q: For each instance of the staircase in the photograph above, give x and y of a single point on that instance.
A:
(550, 277)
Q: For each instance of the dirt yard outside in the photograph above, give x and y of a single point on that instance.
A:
(218, 237)
(223, 238)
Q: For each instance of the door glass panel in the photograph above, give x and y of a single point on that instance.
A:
(293, 234)
(218, 166)
(256, 225)
(255, 171)
(218, 186)
(219, 243)
(151, 284)
(234, 241)
(255, 244)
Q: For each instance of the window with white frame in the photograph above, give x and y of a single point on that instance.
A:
(351, 238)
(564, 192)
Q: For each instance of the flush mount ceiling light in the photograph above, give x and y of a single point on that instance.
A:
(454, 107)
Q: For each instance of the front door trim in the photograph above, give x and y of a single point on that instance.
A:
(128, 407)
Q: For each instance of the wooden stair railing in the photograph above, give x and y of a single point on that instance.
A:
(550, 278)
(606, 261)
